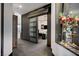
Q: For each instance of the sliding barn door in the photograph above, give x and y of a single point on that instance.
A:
(33, 31)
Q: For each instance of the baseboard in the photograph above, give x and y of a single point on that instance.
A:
(51, 52)
(48, 45)
(11, 54)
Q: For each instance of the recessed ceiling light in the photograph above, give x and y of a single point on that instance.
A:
(71, 12)
(20, 6)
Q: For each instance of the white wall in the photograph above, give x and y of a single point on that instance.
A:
(42, 20)
(7, 29)
(0, 29)
(19, 26)
(56, 48)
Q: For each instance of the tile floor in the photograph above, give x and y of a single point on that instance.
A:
(26, 48)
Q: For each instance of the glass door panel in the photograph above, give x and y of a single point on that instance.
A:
(33, 29)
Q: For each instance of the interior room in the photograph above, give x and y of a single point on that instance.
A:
(42, 28)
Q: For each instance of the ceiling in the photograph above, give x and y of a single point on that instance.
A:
(26, 7)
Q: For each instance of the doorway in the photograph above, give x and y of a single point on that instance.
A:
(35, 30)
(42, 28)
(16, 29)
(38, 28)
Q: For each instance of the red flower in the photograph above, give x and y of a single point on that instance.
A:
(69, 19)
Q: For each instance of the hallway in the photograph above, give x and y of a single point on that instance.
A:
(26, 48)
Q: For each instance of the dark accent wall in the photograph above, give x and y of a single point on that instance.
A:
(37, 12)
(25, 27)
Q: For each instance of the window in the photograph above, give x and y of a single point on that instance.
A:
(68, 30)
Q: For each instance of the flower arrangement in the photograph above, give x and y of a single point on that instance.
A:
(69, 24)
(68, 20)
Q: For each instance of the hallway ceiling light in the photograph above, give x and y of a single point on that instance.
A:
(20, 6)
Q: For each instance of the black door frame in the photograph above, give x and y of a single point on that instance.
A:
(2, 29)
(37, 12)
